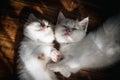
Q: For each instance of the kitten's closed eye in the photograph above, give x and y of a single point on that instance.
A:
(65, 26)
(68, 28)
(74, 29)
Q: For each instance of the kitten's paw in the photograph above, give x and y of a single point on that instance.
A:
(65, 71)
(53, 67)
(55, 55)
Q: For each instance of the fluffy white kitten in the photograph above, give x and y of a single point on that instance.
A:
(97, 49)
(37, 50)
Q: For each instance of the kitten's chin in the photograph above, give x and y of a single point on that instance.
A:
(68, 39)
(42, 39)
(62, 40)
(47, 40)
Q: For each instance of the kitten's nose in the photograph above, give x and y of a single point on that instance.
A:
(44, 27)
(58, 56)
(67, 31)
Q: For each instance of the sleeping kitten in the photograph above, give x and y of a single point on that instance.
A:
(97, 49)
(37, 50)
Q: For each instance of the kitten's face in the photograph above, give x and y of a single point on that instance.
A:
(39, 30)
(68, 30)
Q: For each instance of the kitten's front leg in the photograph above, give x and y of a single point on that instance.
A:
(61, 67)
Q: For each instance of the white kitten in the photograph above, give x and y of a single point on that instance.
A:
(37, 50)
(97, 49)
(69, 31)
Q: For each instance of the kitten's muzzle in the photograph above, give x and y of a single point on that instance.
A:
(67, 31)
(43, 27)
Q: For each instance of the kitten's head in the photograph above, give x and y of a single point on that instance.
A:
(38, 30)
(68, 30)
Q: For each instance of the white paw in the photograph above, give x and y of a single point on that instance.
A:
(53, 67)
(65, 71)
(55, 55)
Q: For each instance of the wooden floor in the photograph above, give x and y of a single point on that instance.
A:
(14, 13)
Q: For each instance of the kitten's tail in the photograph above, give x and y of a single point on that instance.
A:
(109, 31)
(112, 27)
(108, 40)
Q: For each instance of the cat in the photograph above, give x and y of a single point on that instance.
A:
(81, 50)
(37, 50)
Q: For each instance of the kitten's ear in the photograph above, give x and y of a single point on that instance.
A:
(84, 23)
(60, 17)
(32, 18)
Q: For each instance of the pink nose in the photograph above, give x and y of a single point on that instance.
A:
(58, 56)
(44, 27)
(67, 32)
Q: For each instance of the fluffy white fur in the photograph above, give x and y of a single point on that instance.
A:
(76, 35)
(38, 40)
(99, 48)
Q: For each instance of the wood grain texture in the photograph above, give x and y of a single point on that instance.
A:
(14, 13)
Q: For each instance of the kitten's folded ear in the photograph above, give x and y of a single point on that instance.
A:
(60, 17)
(32, 18)
(84, 23)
